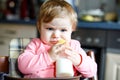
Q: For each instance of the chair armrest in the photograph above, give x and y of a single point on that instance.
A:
(4, 64)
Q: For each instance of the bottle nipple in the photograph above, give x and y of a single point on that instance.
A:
(61, 41)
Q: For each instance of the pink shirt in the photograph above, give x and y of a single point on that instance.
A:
(35, 61)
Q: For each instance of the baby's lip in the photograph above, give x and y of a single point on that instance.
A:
(54, 42)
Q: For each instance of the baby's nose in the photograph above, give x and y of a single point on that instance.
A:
(56, 34)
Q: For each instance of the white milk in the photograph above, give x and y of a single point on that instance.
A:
(64, 68)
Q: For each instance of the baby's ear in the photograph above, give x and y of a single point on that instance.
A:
(38, 26)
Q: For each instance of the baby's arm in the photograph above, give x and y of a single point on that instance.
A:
(87, 67)
(32, 60)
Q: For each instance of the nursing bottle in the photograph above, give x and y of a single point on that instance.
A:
(64, 67)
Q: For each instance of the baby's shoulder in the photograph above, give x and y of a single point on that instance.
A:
(35, 41)
(75, 41)
(75, 44)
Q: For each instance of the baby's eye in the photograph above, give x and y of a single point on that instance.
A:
(63, 30)
(49, 28)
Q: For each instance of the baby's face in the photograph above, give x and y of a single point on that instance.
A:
(58, 28)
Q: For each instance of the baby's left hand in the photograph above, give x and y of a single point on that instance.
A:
(73, 56)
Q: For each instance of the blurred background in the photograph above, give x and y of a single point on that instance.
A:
(28, 9)
(98, 29)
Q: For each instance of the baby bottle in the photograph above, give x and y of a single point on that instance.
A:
(64, 68)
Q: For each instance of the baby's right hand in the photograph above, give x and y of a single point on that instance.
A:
(56, 50)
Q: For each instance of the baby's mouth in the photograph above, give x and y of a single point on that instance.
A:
(54, 42)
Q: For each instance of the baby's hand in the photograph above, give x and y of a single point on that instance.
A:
(73, 56)
(57, 49)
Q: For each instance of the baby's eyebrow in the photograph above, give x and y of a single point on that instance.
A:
(49, 25)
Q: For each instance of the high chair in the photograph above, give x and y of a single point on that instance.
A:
(16, 46)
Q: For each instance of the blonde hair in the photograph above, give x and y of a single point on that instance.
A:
(56, 8)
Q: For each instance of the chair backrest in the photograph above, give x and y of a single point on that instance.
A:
(17, 45)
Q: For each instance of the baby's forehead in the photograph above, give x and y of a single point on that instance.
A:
(61, 21)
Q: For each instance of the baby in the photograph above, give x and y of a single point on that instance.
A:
(57, 20)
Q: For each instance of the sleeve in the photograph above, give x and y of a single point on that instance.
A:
(28, 61)
(88, 67)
